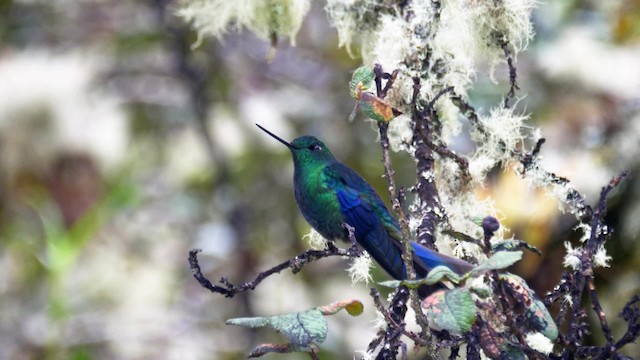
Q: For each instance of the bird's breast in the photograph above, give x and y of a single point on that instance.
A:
(318, 202)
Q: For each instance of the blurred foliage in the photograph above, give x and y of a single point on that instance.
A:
(94, 236)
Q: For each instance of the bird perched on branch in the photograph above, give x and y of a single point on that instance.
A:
(330, 194)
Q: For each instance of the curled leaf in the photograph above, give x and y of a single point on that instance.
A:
(361, 80)
(353, 307)
(451, 310)
(376, 108)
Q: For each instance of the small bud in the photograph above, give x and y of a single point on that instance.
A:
(490, 225)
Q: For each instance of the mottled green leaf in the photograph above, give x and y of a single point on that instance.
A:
(451, 310)
(540, 320)
(301, 329)
(499, 260)
(517, 283)
(361, 80)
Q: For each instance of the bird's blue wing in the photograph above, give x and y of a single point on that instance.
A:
(375, 229)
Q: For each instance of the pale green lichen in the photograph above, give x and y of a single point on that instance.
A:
(264, 18)
(502, 133)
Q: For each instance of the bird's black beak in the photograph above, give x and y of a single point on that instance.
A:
(275, 137)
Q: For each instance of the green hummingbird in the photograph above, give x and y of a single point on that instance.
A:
(330, 194)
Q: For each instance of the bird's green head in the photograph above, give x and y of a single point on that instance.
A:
(306, 150)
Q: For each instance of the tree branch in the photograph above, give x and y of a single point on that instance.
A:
(296, 264)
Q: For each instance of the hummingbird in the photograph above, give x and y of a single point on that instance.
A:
(330, 194)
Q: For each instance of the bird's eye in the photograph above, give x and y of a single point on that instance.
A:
(315, 147)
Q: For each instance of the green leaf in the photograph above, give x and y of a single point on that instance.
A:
(361, 80)
(391, 283)
(499, 260)
(438, 273)
(540, 320)
(434, 276)
(301, 329)
(354, 308)
(513, 245)
(451, 310)
(250, 322)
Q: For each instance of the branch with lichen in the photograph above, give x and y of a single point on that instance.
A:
(431, 47)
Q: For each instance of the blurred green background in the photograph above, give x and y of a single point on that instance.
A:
(121, 148)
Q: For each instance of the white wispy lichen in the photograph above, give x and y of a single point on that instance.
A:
(539, 342)
(352, 19)
(379, 322)
(571, 259)
(506, 21)
(391, 43)
(360, 269)
(586, 231)
(263, 17)
(400, 133)
(600, 258)
(315, 240)
(502, 133)
(479, 166)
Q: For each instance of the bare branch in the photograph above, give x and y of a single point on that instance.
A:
(296, 264)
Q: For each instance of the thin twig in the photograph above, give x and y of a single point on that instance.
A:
(513, 86)
(296, 264)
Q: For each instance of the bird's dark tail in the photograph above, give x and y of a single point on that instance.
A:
(425, 259)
